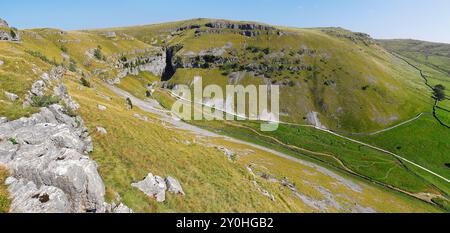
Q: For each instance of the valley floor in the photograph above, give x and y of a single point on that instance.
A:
(268, 173)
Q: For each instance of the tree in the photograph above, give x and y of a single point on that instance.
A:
(439, 94)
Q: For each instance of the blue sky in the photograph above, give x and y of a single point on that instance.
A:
(418, 19)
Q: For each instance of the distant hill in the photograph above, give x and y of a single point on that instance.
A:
(351, 82)
(436, 55)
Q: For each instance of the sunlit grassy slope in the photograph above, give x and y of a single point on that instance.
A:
(134, 147)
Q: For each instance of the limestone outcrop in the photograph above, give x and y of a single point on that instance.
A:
(156, 187)
(50, 169)
(7, 33)
(151, 61)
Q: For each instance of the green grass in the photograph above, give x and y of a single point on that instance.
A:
(432, 58)
(365, 161)
(132, 148)
(424, 142)
(443, 203)
(137, 85)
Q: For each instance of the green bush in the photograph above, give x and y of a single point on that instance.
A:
(13, 141)
(129, 103)
(13, 34)
(85, 82)
(43, 101)
(63, 48)
(42, 57)
(72, 65)
(98, 53)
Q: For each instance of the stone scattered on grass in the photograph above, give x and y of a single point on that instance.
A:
(11, 96)
(153, 186)
(156, 187)
(102, 108)
(229, 153)
(143, 118)
(101, 130)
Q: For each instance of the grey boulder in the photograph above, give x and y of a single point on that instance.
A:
(11, 96)
(173, 186)
(153, 186)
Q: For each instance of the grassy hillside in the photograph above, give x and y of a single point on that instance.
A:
(436, 55)
(354, 84)
(430, 145)
(345, 155)
(214, 174)
(432, 58)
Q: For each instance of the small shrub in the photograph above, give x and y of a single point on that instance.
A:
(129, 103)
(69, 111)
(63, 48)
(43, 101)
(13, 141)
(42, 57)
(72, 67)
(85, 82)
(253, 49)
(98, 53)
(13, 34)
(148, 93)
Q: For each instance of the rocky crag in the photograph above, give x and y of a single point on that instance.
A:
(150, 60)
(8, 33)
(47, 155)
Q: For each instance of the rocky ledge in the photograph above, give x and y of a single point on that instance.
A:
(236, 26)
(7, 33)
(47, 157)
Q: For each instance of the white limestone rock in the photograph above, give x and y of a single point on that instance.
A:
(101, 130)
(49, 151)
(28, 198)
(11, 96)
(122, 209)
(153, 186)
(102, 108)
(173, 186)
